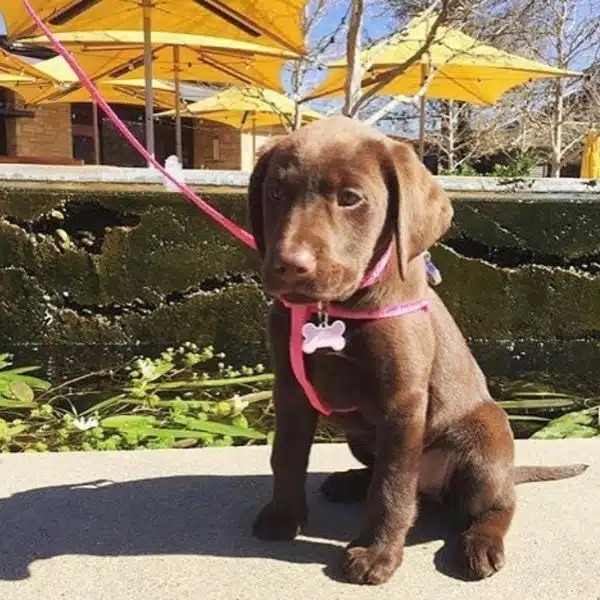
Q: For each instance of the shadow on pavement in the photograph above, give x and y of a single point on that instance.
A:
(202, 515)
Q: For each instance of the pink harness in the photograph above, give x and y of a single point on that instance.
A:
(301, 313)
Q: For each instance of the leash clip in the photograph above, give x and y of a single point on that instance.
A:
(433, 274)
(322, 315)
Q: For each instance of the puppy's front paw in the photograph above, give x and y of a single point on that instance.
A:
(369, 566)
(277, 525)
(484, 555)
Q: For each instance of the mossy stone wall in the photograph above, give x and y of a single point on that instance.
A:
(134, 267)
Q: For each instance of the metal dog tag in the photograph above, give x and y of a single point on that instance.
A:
(323, 335)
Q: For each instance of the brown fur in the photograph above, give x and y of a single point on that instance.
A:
(324, 204)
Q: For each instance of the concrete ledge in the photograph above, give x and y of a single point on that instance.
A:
(203, 177)
(175, 524)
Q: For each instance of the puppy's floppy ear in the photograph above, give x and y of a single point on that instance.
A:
(255, 193)
(421, 208)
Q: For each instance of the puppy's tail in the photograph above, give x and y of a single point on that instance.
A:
(532, 474)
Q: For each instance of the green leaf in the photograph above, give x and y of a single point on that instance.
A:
(170, 433)
(14, 430)
(128, 421)
(222, 429)
(22, 392)
(529, 418)
(541, 394)
(210, 383)
(539, 404)
(160, 370)
(11, 403)
(18, 371)
(5, 360)
(33, 382)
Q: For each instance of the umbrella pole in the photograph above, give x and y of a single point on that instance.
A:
(253, 140)
(422, 113)
(147, 8)
(96, 127)
(178, 137)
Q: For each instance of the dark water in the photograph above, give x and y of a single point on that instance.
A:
(568, 365)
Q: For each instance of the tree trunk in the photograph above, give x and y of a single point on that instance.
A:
(297, 117)
(451, 140)
(559, 89)
(355, 71)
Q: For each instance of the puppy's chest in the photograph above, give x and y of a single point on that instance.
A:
(349, 378)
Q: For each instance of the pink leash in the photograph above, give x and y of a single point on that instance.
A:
(299, 313)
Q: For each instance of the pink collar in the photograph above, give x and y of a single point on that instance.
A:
(300, 314)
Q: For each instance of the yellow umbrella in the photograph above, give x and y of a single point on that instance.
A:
(52, 81)
(120, 54)
(463, 68)
(273, 23)
(590, 162)
(248, 109)
(243, 107)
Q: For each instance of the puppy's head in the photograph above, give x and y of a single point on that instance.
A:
(325, 201)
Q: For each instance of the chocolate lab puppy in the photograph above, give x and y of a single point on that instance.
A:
(325, 203)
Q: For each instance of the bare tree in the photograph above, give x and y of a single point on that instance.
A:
(566, 35)
(324, 39)
(355, 99)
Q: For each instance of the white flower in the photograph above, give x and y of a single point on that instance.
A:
(84, 424)
(238, 404)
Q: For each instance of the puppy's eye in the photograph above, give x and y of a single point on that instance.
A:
(349, 198)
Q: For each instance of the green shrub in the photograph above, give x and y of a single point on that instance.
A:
(172, 401)
(521, 165)
(463, 170)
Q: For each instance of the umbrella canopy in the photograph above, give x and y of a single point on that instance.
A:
(14, 68)
(590, 161)
(273, 23)
(52, 81)
(120, 54)
(465, 69)
(249, 108)
(116, 91)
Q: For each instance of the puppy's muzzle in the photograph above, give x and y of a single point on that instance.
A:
(292, 271)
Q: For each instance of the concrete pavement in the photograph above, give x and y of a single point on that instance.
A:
(175, 525)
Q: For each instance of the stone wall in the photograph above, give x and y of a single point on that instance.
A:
(47, 133)
(100, 269)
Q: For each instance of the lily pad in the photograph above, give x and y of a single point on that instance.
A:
(580, 424)
(22, 392)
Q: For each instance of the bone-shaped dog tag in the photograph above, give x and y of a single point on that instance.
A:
(325, 335)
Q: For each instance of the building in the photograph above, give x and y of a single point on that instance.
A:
(64, 134)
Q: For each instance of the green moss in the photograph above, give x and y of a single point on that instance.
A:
(548, 228)
(172, 275)
(232, 319)
(22, 308)
(530, 301)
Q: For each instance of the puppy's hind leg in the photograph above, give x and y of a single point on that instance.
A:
(353, 485)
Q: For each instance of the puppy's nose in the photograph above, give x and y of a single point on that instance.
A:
(295, 263)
